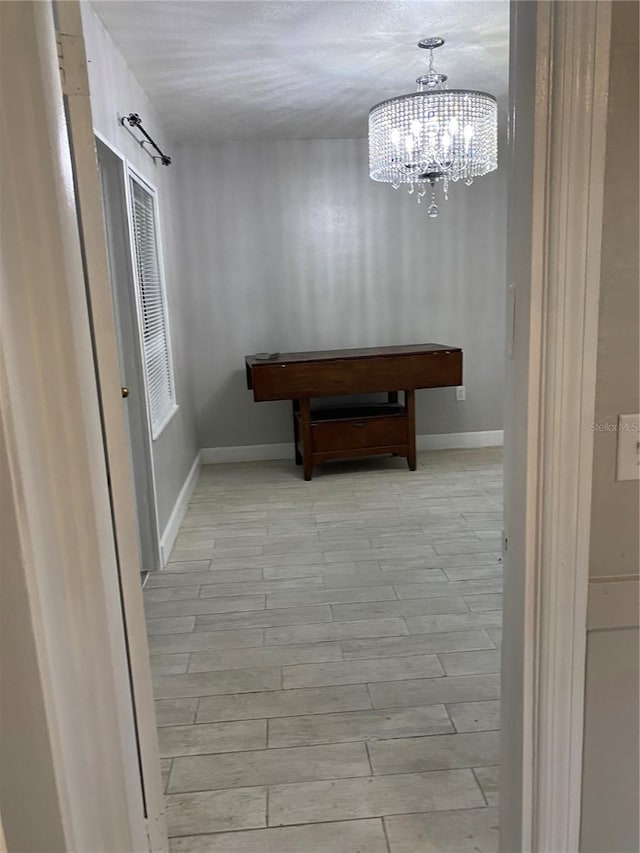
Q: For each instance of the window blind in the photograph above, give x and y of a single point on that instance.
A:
(151, 299)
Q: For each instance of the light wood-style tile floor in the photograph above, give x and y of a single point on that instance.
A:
(326, 658)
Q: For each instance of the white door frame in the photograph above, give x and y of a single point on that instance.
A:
(559, 84)
(82, 600)
(67, 531)
(116, 440)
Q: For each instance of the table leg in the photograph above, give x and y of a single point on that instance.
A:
(410, 402)
(296, 433)
(305, 426)
(392, 397)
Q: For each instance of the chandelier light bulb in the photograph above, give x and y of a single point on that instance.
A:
(434, 135)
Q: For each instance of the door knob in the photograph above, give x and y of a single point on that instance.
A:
(124, 391)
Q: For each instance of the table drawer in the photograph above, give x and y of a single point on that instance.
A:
(354, 433)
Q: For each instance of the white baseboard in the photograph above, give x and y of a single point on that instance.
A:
(168, 537)
(260, 452)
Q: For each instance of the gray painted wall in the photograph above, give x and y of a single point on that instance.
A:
(610, 790)
(289, 245)
(615, 505)
(115, 91)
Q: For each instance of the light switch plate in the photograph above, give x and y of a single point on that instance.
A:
(461, 393)
(628, 457)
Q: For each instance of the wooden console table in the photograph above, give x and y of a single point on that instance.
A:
(350, 431)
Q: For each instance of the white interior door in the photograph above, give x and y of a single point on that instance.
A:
(114, 200)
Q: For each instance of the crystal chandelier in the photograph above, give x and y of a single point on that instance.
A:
(433, 136)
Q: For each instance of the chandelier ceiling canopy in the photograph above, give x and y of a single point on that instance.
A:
(433, 136)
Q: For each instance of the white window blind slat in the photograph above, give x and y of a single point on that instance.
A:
(151, 297)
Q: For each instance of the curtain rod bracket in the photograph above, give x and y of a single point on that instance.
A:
(132, 121)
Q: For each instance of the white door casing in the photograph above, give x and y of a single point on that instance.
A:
(58, 479)
(116, 441)
(559, 78)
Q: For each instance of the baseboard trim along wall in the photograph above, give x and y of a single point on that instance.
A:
(168, 537)
(261, 452)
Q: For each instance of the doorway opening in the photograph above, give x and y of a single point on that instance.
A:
(317, 642)
(560, 268)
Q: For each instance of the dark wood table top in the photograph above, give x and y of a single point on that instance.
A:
(366, 352)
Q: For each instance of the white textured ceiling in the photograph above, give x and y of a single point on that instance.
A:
(308, 69)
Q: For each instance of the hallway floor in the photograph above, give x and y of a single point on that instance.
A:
(326, 658)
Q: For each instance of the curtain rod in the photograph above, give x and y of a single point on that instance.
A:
(134, 120)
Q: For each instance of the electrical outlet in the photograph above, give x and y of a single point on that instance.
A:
(628, 467)
(461, 393)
